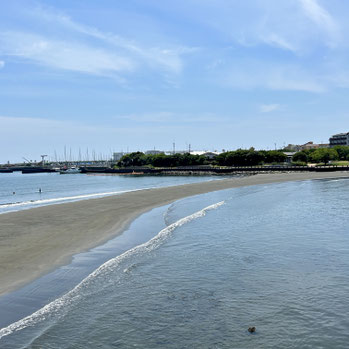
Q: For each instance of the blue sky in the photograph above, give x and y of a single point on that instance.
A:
(114, 75)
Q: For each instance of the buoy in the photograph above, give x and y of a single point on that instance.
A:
(251, 329)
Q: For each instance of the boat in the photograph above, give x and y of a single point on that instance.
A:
(70, 170)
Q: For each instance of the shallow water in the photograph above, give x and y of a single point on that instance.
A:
(22, 191)
(274, 256)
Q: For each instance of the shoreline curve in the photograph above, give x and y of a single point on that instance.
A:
(38, 240)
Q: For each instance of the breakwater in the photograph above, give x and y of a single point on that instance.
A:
(208, 170)
(26, 169)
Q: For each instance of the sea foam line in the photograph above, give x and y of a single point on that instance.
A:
(74, 294)
(66, 198)
(44, 202)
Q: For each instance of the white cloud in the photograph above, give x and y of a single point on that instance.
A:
(173, 118)
(63, 54)
(321, 18)
(2, 64)
(167, 58)
(284, 77)
(45, 136)
(267, 108)
(276, 40)
(156, 117)
(299, 26)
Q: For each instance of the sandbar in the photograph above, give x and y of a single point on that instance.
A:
(36, 241)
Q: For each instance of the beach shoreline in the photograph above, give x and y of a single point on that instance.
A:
(38, 240)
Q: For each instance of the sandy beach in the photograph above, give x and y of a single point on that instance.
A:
(35, 241)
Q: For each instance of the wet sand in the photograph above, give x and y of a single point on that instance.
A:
(34, 242)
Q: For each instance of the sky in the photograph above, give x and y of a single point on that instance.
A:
(96, 77)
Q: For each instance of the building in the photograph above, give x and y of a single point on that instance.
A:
(289, 156)
(154, 152)
(306, 146)
(118, 156)
(293, 147)
(208, 154)
(309, 145)
(312, 145)
(339, 139)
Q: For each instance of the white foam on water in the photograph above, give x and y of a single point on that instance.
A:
(64, 199)
(21, 205)
(75, 294)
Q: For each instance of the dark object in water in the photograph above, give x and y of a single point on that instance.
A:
(251, 329)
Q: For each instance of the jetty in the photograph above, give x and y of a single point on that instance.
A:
(209, 170)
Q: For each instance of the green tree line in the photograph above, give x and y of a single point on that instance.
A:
(250, 157)
(322, 155)
(240, 157)
(161, 160)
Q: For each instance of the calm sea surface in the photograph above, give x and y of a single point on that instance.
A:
(206, 268)
(18, 191)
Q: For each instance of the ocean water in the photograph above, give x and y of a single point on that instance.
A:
(204, 270)
(18, 191)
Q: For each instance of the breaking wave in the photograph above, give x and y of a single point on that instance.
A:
(73, 296)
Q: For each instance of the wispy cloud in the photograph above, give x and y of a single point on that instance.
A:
(167, 117)
(273, 39)
(2, 64)
(165, 57)
(63, 54)
(298, 26)
(284, 77)
(74, 46)
(267, 108)
(321, 18)
(56, 134)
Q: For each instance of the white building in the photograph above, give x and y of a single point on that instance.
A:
(118, 156)
(154, 152)
(208, 154)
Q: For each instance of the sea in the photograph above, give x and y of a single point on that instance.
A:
(198, 273)
(24, 191)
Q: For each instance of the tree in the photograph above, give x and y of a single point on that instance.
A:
(133, 159)
(343, 151)
(301, 156)
(161, 160)
(274, 156)
(250, 157)
(324, 155)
